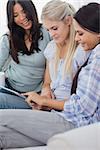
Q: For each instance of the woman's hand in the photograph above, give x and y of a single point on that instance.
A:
(36, 106)
(40, 102)
(35, 100)
(46, 91)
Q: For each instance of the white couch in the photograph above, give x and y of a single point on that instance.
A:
(83, 138)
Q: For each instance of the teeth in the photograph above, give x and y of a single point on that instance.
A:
(25, 22)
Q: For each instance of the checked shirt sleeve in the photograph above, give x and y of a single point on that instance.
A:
(81, 109)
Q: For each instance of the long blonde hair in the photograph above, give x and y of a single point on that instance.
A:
(57, 10)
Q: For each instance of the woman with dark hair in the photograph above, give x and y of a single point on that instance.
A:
(25, 43)
(83, 106)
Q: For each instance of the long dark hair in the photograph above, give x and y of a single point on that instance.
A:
(17, 33)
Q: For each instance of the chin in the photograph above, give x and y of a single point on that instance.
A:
(58, 42)
(27, 28)
(86, 48)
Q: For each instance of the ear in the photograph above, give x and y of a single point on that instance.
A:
(68, 20)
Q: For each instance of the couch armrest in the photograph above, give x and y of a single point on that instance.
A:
(83, 138)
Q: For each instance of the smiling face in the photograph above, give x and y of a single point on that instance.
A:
(59, 30)
(20, 17)
(87, 39)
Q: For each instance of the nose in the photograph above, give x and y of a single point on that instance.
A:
(77, 37)
(52, 33)
(22, 16)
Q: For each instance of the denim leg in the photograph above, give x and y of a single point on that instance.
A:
(8, 101)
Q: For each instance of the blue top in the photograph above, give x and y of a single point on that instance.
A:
(28, 74)
(83, 108)
(61, 86)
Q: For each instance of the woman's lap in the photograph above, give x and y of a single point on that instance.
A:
(8, 101)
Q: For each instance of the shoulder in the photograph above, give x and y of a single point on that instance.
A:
(51, 45)
(4, 36)
(79, 58)
(97, 51)
(4, 40)
(50, 50)
(44, 40)
(45, 33)
(80, 55)
(95, 54)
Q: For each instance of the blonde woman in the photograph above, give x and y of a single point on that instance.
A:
(60, 53)
(57, 19)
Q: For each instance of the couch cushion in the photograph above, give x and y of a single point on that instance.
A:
(83, 138)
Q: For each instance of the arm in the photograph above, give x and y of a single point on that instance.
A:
(44, 101)
(83, 105)
(49, 54)
(46, 90)
(55, 104)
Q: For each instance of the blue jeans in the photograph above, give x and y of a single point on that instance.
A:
(8, 101)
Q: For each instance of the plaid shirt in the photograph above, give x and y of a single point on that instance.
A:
(84, 107)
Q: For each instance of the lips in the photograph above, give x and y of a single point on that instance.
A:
(25, 22)
(56, 38)
(83, 44)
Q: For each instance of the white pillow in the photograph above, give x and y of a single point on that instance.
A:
(83, 138)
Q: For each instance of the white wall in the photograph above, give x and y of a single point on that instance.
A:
(39, 4)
